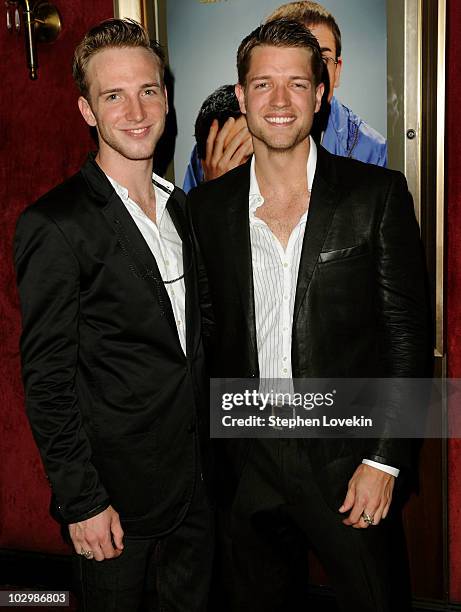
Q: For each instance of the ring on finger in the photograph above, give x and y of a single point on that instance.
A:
(88, 554)
(368, 518)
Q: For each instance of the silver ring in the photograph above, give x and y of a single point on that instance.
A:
(88, 554)
(368, 518)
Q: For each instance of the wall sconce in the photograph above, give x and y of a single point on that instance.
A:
(41, 23)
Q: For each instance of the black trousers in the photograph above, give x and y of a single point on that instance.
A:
(279, 512)
(168, 574)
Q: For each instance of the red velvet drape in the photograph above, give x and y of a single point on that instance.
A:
(453, 195)
(43, 140)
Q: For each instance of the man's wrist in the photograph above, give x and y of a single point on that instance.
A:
(383, 467)
(87, 515)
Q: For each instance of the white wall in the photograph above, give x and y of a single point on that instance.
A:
(203, 40)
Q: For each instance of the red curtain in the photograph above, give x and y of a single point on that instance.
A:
(453, 196)
(43, 140)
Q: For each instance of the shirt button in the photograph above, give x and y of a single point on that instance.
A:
(284, 359)
(285, 265)
(179, 322)
(167, 263)
(285, 370)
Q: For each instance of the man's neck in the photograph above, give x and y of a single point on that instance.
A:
(134, 175)
(281, 171)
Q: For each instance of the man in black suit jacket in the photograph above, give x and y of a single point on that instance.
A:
(311, 268)
(112, 356)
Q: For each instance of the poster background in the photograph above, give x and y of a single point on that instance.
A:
(203, 40)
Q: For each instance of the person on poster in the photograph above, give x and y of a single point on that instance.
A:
(219, 127)
(112, 358)
(312, 268)
(339, 129)
(345, 133)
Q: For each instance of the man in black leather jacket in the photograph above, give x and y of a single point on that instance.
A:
(311, 268)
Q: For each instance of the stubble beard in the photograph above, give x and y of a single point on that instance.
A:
(279, 147)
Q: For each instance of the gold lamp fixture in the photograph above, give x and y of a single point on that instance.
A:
(40, 21)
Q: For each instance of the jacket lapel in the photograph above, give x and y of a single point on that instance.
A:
(175, 207)
(240, 249)
(134, 246)
(130, 239)
(324, 199)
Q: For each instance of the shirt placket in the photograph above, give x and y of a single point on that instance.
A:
(284, 323)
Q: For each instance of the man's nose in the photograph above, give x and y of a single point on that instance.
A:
(135, 110)
(280, 96)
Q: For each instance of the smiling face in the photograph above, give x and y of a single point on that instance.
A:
(279, 97)
(127, 103)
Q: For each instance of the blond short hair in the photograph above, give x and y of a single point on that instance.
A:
(109, 34)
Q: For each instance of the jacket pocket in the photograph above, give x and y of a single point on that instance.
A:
(337, 255)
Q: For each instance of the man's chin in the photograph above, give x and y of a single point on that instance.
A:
(138, 155)
(131, 151)
(283, 145)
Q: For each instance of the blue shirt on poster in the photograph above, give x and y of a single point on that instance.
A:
(348, 136)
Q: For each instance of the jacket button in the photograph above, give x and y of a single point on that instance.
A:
(191, 427)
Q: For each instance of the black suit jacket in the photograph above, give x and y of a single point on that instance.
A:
(112, 399)
(361, 307)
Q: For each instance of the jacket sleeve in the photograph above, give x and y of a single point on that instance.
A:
(48, 282)
(405, 338)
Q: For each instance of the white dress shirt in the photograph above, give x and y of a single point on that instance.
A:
(165, 244)
(275, 275)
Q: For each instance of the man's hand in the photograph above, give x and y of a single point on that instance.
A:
(98, 535)
(369, 491)
(226, 148)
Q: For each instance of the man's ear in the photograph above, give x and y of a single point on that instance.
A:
(87, 113)
(240, 93)
(318, 96)
(338, 69)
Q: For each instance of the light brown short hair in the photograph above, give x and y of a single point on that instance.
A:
(280, 33)
(112, 33)
(309, 13)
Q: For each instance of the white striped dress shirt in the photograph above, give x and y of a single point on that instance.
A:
(275, 275)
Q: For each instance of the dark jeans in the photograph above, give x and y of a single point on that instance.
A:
(279, 512)
(168, 574)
